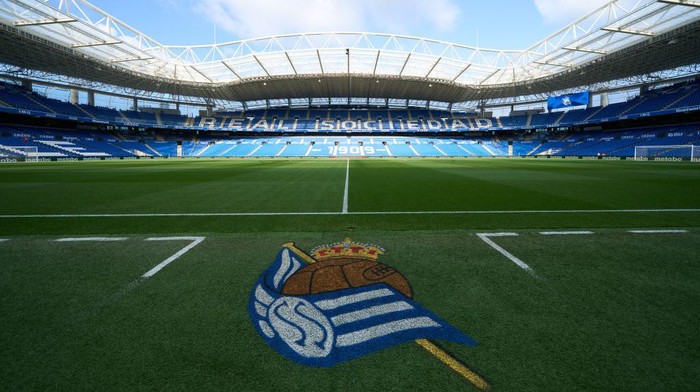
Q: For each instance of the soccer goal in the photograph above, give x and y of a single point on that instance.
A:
(685, 152)
(25, 153)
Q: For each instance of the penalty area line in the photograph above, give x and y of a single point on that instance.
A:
(92, 239)
(195, 241)
(657, 231)
(143, 278)
(485, 237)
(566, 232)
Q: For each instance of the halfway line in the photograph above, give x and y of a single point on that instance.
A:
(347, 183)
(465, 212)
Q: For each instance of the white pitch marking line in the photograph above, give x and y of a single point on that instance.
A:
(485, 237)
(347, 183)
(224, 214)
(508, 234)
(92, 239)
(3, 239)
(566, 232)
(195, 241)
(657, 231)
(136, 283)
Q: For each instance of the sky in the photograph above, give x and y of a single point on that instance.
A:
(493, 24)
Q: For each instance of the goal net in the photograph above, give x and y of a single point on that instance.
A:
(683, 152)
(24, 153)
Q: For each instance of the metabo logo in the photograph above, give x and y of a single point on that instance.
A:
(340, 303)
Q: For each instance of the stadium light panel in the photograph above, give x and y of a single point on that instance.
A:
(689, 3)
(628, 31)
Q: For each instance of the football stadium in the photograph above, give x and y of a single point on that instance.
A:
(350, 210)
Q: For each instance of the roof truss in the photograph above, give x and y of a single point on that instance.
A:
(87, 31)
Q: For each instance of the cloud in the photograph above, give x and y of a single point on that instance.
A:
(566, 11)
(257, 18)
(169, 4)
(402, 16)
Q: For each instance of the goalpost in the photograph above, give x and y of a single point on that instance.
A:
(684, 152)
(25, 153)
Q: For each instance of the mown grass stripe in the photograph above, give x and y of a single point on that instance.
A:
(313, 213)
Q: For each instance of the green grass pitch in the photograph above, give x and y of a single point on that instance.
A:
(614, 307)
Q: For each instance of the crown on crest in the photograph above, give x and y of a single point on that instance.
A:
(346, 248)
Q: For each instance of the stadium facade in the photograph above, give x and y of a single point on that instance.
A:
(347, 93)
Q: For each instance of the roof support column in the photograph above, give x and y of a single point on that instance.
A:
(347, 54)
(73, 97)
(91, 98)
(210, 107)
(136, 104)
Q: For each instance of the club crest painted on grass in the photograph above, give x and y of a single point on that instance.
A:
(339, 303)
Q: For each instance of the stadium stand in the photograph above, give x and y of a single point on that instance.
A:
(515, 121)
(679, 97)
(140, 117)
(20, 99)
(384, 131)
(689, 100)
(63, 143)
(102, 113)
(439, 106)
(546, 120)
(574, 116)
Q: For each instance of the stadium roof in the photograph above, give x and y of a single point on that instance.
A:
(621, 39)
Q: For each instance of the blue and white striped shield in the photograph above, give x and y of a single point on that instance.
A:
(329, 328)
